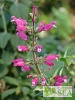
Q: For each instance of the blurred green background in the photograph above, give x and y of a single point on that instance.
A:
(13, 82)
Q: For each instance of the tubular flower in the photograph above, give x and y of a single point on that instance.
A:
(59, 80)
(23, 48)
(20, 62)
(20, 27)
(35, 81)
(47, 27)
(49, 58)
(38, 48)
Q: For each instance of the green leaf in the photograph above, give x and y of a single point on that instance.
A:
(4, 38)
(12, 81)
(69, 60)
(25, 90)
(19, 10)
(7, 93)
(60, 71)
(3, 70)
(7, 57)
(56, 72)
(39, 88)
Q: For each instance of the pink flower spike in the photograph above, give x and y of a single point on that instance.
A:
(23, 48)
(43, 81)
(18, 62)
(38, 48)
(34, 9)
(35, 81)
(25, 67)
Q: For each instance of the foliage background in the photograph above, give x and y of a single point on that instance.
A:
(13, 82)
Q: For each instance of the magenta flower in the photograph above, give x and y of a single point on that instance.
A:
(23, 48)
(43, 81)
(38, 48)
(35, 81)
(49, 26)
(43, 27)
(20, 27)
(18, 62)
(19, 21)
(59, 80)
(49, 58)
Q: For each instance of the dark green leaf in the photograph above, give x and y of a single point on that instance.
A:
(4, 38)
(7, 57)
(11, 80)
(3, 70)
(39, 94)
(25, 90)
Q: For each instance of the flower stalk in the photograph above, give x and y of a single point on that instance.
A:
(34, 55)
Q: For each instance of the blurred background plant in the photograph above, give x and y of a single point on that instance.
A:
(13, 83)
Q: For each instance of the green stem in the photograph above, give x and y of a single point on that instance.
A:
(4, 21)
(34, 55)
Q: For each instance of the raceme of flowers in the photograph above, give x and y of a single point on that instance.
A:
(24, 31)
